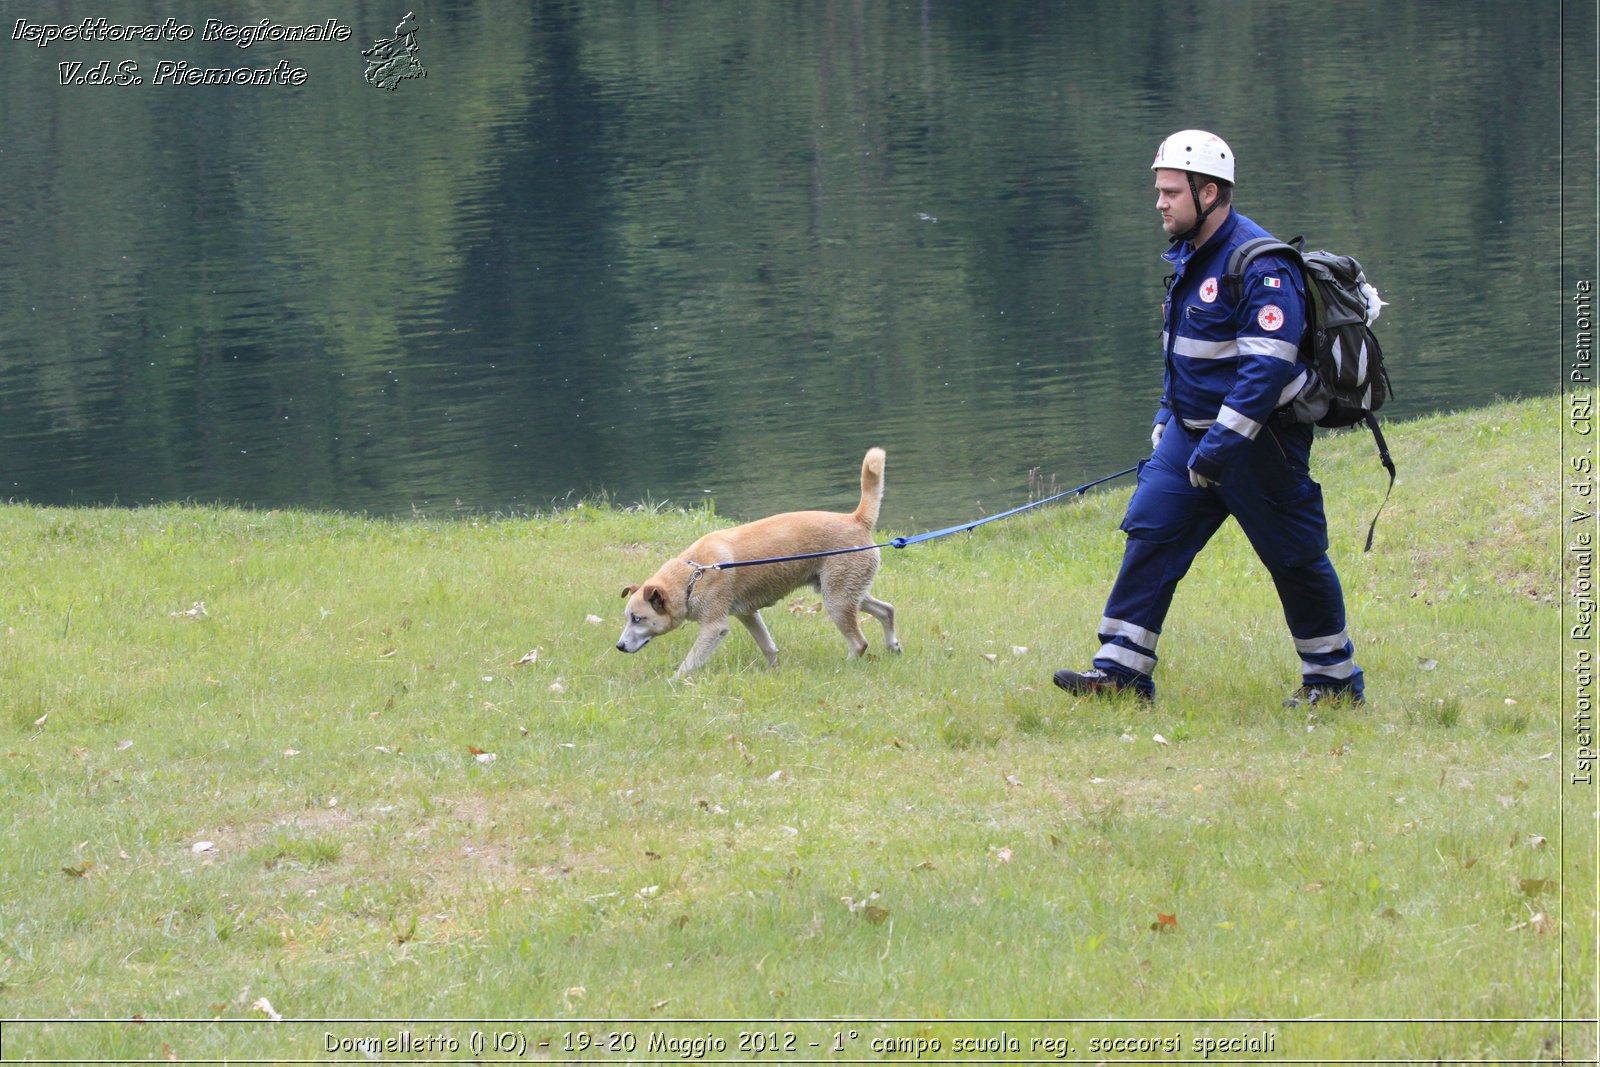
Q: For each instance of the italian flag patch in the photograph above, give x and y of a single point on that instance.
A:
(1271, 283)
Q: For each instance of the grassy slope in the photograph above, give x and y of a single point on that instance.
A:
(640, 848)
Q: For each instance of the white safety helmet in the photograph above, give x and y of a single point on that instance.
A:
(1197, 152)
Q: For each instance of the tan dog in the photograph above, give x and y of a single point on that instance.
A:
(689, 589)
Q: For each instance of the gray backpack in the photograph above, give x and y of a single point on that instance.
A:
(1349, 381)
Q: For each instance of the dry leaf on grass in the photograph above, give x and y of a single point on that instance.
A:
(529, 660)
(1539, 924)
(852, 904)
(1164, 922)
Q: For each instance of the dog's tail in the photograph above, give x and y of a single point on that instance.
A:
(866, 512)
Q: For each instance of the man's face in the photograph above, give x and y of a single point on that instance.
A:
(1174, 201)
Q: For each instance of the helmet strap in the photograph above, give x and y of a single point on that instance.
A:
(1200, 213)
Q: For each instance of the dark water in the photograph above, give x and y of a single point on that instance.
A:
(680, 251)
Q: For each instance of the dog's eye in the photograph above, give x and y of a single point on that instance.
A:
(634, 618)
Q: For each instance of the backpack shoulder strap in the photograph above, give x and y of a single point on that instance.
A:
(1388, 465)
(1240, 258)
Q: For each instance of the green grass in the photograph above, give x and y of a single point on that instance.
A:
(639, 849)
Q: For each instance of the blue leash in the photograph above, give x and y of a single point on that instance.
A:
(903, 542)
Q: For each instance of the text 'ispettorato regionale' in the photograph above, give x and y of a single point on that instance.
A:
(175, 71)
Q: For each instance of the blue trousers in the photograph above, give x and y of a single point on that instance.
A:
(1278, 505)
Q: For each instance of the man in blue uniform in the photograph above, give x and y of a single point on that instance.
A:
(1232, 361)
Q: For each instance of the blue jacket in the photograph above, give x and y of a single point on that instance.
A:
(1230, 364)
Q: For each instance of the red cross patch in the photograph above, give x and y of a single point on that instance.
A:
(1208, 290)
(1270, 317)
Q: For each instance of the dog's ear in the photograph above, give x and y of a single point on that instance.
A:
(629, 590)
(657, 599)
